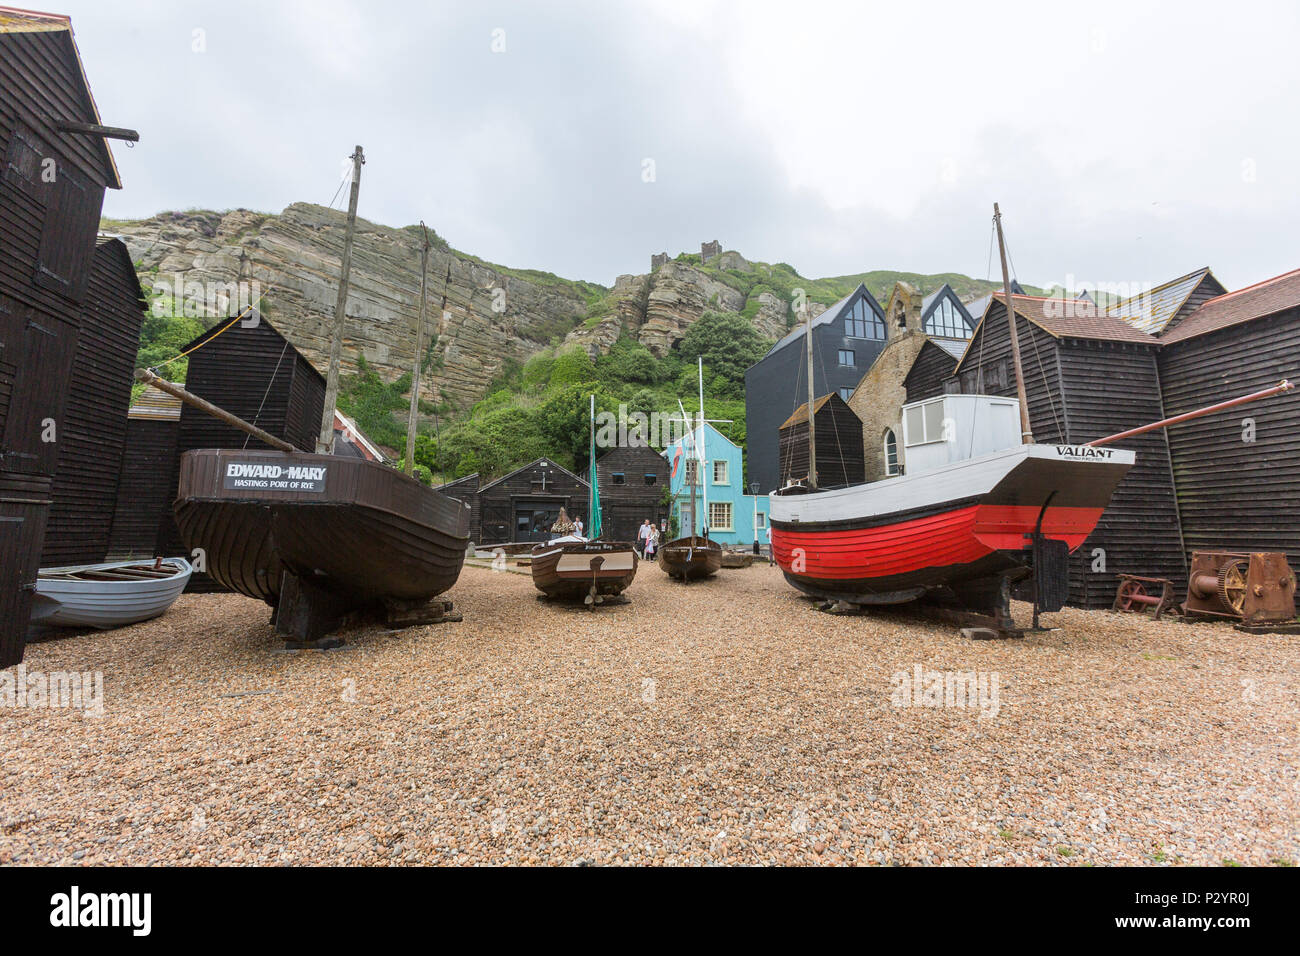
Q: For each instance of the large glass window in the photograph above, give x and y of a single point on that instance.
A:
(861, 322)
(947, 321)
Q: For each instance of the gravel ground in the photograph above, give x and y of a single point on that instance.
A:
(720, 722)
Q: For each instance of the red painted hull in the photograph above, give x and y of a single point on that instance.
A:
(836, 553)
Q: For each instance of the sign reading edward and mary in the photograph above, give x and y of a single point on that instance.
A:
(258, 476)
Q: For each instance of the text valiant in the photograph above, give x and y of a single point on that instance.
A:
(291, 472)
(1083, 451)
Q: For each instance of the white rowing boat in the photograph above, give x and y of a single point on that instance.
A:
(109, 595)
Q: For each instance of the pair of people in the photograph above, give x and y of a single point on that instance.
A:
(648, 539)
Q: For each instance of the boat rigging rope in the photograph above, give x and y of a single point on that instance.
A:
(274, 373)
(812, 421)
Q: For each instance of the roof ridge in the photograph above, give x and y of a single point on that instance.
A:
(1256, 285)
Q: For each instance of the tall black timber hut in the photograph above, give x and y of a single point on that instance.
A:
(95, 419)
(1237, 474)
(51, 194)
(145, 486)
(1087, 375)
(839, 444)
(249, 369)
(633, 479)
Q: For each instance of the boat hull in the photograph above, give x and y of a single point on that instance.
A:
(358, 529)
(894, 541)
(65, 601)
(570, 570)
(690, 558)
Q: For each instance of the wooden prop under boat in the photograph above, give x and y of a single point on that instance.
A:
(690, 558)
(108, 595)
(571, 568)
(318, 536)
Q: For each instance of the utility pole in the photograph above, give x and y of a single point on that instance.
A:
(1026, 433)
(419, 354)
(325, 443)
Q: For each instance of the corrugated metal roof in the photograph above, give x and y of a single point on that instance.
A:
(1151, 311)
(954, 347)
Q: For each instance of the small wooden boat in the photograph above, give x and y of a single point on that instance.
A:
(319, 535)
(738, 559)
(572, 568)
(690, 558)
(108, 595)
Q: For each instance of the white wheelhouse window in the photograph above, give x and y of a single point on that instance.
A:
(923, 423)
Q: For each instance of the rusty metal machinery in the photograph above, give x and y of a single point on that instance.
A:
(1255, 588)
(1137, 595)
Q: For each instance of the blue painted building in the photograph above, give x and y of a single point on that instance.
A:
(733, 516)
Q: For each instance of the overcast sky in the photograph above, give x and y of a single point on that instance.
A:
(1126, 142)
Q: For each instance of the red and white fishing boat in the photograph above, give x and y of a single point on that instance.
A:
(981, 506)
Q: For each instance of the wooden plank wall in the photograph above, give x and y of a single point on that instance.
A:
(933, 366)
(625, 506)
(840, 459)
(1237, 495)
(95, 420)
(1110, 388)
(47, 232)
(466, 489)
(146, 487)
(498, 501)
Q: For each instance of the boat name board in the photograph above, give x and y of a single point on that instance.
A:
(1084, 451)
(256, 476)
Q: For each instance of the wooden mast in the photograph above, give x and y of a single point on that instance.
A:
(812, 432)
(704, 451)
(1026, 433)
(325, 443)
(419, 354)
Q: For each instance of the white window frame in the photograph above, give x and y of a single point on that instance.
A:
(761, 519)
(726, 468)
(692, 469)
(892, 469)
(729, 511)
(931, 432)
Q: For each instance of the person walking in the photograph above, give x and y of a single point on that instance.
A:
(651, 543)
(643, 534)
(577, 527)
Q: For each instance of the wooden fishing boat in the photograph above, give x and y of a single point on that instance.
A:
(690, 558)
(572, 568)
(108, 595)
(329, 532)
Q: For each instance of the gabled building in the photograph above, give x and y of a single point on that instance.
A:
(733, 517)
(929, 333)
(523, 505)
(634, 486)
(56, 167)
(847, 337)
(839, 444)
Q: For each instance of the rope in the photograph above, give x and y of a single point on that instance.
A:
(812, 421)
(203, 343)
(274, 373)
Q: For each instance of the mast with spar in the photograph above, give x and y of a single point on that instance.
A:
(325, 443)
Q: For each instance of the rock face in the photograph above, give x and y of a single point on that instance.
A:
(290, 263)
(293, 261)
(658, 308)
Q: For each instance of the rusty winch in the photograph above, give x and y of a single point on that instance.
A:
(1255, 588)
